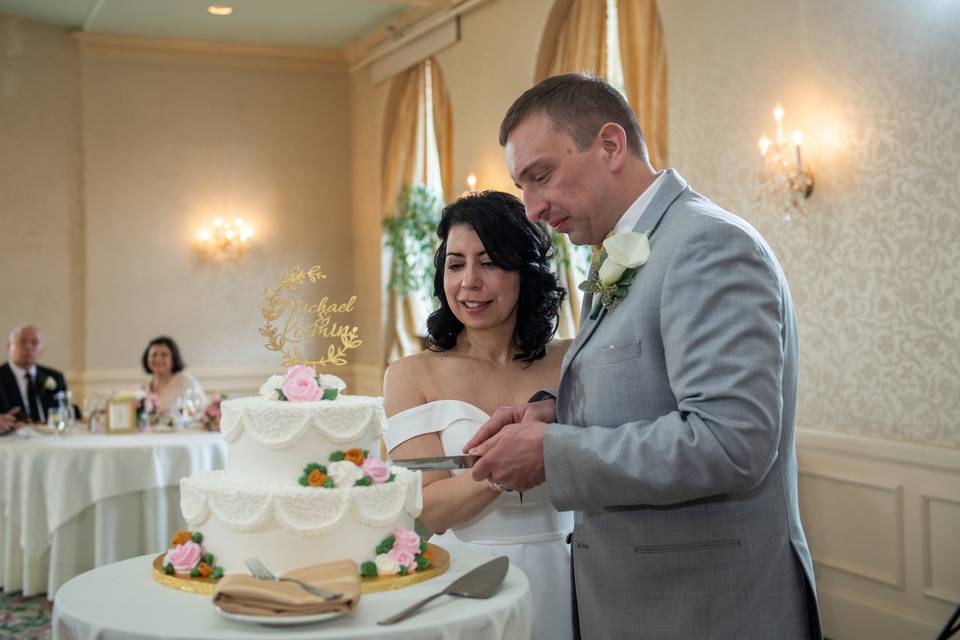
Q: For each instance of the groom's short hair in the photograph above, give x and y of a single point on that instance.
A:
(577, 104)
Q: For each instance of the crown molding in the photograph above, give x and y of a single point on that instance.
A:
(403, 29)
(105, 42)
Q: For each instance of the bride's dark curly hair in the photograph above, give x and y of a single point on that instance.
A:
(512, 243)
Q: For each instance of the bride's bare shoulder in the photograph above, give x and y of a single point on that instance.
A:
(411, 381)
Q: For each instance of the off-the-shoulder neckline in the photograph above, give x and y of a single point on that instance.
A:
(433, 403)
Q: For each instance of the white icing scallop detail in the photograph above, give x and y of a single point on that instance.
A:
(311, 512)
(193, 501)
(245, 505)
(280, 425)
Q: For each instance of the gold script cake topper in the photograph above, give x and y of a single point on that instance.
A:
(291, 320)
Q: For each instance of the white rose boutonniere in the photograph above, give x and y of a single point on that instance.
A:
(621, 258)
(50, 384)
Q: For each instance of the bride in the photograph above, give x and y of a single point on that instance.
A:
(489, 346)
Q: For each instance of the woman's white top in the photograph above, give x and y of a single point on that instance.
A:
(532, 533)
(506, 520)
(182, 385)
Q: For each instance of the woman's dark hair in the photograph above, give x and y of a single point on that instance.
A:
(174, 353)
(513, 243)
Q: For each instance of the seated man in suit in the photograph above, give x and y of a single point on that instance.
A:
(27, 390)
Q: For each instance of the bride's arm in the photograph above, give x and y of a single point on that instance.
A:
(448, 500)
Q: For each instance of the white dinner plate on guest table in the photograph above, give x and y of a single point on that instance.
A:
(280, 621)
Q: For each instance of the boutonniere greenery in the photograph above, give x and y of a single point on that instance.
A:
(618, 264)
(50, 384)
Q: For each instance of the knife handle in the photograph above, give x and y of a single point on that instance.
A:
(409, 611)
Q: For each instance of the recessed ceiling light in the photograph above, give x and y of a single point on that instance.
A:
(220, 9)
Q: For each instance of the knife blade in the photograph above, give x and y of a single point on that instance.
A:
(481, 582)
(442, 463)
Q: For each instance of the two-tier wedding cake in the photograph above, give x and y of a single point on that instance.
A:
(304, 483)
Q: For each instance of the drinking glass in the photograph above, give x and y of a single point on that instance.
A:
(57, 419)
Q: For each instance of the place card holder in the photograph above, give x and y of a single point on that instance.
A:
(122, 415)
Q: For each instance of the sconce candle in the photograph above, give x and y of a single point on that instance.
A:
(228, 239)
(780, 177)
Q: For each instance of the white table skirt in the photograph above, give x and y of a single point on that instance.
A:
(122, 602)
(73, 502)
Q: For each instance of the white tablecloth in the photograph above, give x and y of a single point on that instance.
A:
(76, 501)
(121, 601)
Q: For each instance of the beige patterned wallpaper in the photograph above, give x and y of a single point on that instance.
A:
(875, 265)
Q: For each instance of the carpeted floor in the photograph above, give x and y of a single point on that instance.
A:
(24, 617)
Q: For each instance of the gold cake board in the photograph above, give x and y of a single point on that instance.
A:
(206, 586)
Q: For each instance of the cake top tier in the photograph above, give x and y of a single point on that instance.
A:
(348, 420)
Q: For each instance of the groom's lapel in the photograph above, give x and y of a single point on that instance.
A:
(673, 185)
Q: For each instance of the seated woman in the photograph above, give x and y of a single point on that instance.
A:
(489, 346)
(171, 384)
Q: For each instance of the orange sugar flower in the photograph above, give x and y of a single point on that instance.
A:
(354, 455)
(316, 478)
(180, 537)
(204, 569)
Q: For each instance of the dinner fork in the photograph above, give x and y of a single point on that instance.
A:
(259, 570)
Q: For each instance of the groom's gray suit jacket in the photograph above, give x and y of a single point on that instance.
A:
(674, 441)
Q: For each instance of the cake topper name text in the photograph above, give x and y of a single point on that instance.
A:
(291, 319)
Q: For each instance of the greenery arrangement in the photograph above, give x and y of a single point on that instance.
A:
(412, 236)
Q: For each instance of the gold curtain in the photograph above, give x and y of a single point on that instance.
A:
(443, 128)
(404, 116)
(644, 60)
(575, 39)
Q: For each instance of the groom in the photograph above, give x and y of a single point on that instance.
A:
(671, 435)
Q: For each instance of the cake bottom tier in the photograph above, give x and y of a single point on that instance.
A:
(283, 550)
(288, 526)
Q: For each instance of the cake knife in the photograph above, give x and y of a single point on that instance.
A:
(443, 463)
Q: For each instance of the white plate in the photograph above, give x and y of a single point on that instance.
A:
(280, 621)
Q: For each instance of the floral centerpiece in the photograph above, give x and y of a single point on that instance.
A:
(210, 416)
(147, 408)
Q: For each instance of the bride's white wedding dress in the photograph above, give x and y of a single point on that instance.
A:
(532, 533)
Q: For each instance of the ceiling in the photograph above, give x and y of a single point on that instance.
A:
(329, 24)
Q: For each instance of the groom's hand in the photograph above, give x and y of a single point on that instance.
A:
(8, 420)
(513, 458)
(542, 411)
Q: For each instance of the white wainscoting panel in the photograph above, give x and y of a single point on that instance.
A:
(883, 522)
(235, 382)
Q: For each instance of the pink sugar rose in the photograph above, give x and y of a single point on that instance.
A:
(403, 558)
(301, 385)
(406, 540)
(376, 469)
(184, 557)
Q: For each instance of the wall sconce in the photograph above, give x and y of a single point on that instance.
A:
(782, 173)
(471, 185)
(225, 239)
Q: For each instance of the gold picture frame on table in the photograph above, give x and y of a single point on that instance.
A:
(121, 416)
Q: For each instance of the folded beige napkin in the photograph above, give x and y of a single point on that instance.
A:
(238, 593)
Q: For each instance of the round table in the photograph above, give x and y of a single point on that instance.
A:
(121, 601)
(78, 500)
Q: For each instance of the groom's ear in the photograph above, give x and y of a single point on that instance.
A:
(613, 145)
